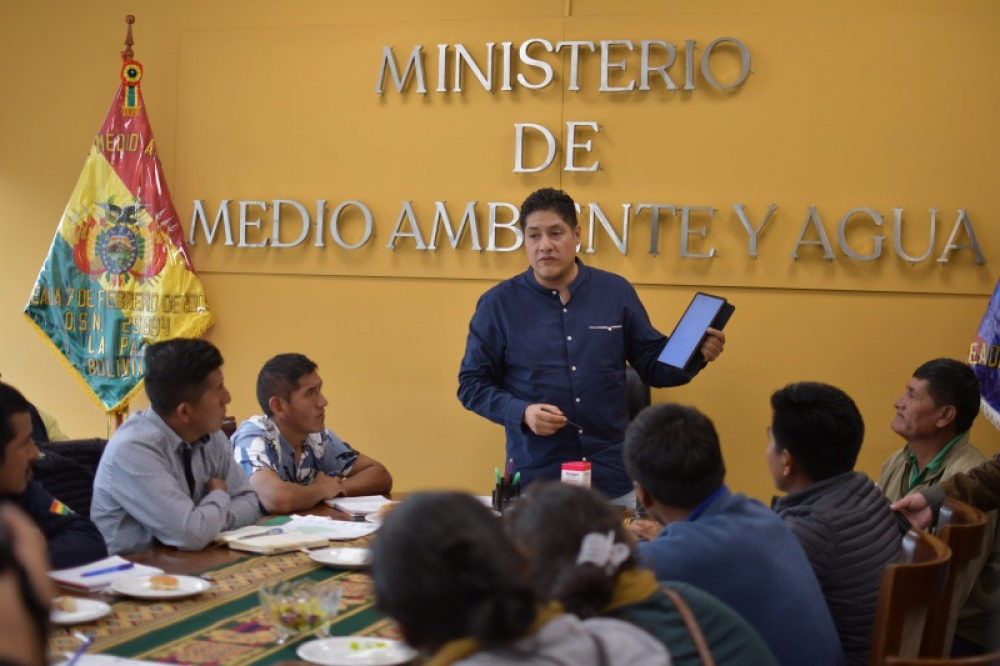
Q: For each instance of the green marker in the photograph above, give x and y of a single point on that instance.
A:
(517, 478)
(496, 473)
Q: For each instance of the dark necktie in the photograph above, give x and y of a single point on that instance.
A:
(188, 472)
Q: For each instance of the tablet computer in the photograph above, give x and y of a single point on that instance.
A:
(705, 311)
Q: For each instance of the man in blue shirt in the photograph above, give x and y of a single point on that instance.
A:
(728, 545)
(546, 352)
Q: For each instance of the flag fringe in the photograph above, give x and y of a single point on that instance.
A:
(992, 415)
(80, 379)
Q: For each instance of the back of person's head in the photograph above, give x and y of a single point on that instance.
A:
(177, 370)
(673, 452)
(11, 402)
(820, 425)
(550, 199)
(444, 569)
(280, 377)
(549, 524)
(951, 382)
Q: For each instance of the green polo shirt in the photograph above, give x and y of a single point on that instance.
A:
(918, 475)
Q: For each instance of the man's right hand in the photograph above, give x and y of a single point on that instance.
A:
(331, 486)
(915, 508)
(544, 419)
(215, 483)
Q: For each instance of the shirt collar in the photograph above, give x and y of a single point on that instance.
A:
(582, 276)
(700, 509)
(918, 477)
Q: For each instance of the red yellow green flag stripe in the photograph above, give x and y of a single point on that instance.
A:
(118, 275)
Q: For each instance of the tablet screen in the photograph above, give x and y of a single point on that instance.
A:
(686, 338)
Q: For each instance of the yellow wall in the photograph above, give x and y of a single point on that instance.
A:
(886, 107)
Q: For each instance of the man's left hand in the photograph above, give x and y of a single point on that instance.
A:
(715, 342)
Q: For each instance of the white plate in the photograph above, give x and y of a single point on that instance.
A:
(139, 587)
(343, 558)
(86, 610)
(352, 650)
(373, 518)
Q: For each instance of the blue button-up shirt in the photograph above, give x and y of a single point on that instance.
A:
(526, 347)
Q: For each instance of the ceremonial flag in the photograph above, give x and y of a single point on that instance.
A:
(984, 357)
(118, 276)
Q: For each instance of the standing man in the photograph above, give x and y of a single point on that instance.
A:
(934, 416)
(72, 539)
(546, 352)
(168, 474)
(292, 459)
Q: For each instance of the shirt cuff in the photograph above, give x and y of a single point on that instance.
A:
(935, 496)
(514, 416)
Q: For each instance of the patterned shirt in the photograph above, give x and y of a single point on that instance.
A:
(141, 494)
(259, 445)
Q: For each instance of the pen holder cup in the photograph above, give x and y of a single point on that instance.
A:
(504, 495)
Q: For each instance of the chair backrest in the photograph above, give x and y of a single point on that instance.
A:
(229, 426)
(991, 659)
(907, 591)
(68, 469)
(639, 395)
(963, 529)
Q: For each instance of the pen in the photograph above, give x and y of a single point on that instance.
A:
(517, 478)
(98, 572)
(510, 468)
(86, 640)
(496, 473)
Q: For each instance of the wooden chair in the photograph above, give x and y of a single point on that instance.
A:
(908, 590)
(963, 529)
(991, 659)
(229, 426)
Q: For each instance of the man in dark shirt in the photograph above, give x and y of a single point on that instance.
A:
(546, 352)
(840, 517)
(72, 539)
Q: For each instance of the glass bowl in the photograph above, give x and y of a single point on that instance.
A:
(298, 608)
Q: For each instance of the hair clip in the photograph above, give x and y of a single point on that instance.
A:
(601, 550)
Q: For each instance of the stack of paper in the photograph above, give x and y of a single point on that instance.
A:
(358, 506)
(98, 575)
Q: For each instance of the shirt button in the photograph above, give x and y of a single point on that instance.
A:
(565, 310)
(569, 337)
(581, 431)
(555, 293)
(573, 368)
(578, 400)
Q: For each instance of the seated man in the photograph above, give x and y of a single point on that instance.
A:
(840, 517)
(728, 545)
(292, 459)
(72, 538)
(934, 416)
(168, 473)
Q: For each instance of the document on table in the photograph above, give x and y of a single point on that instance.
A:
(98, 575)
(335, 530)
(358, 506)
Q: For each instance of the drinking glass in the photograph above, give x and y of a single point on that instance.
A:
(297, 608)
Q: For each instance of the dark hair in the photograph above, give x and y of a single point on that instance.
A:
(176, 371)
(951, 382)
(550, 522)
(673, 452)
(444, 569)
(280, 377)
(553, 200)
(820, 425)
(11, 402)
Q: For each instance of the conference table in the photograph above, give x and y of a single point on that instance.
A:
(225, 625)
